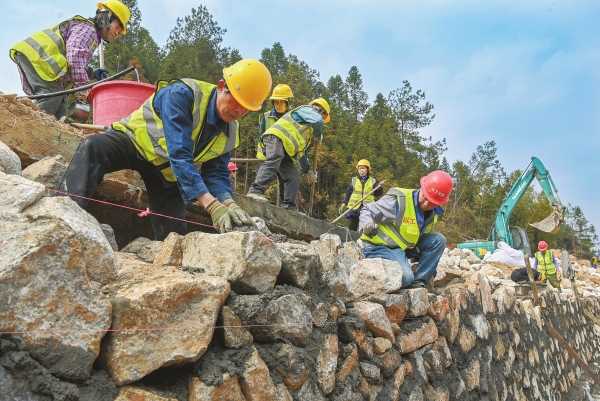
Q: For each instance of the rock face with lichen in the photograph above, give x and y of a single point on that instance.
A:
(240, 316)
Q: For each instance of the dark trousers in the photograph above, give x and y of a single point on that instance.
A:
(113, 151)
(279, 163)
(353, 222)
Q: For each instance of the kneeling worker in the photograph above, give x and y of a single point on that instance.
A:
(185, 123)
(398, 227)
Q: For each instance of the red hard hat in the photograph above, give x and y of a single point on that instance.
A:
(437, 186)
(231, 166)
(542, 245)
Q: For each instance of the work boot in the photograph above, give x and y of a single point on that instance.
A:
(415, 284)
(291, 208)
(258, 197)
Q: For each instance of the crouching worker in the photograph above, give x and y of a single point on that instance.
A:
(184, 124)
(398, 227)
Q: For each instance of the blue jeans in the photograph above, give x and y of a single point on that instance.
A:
(428, 251)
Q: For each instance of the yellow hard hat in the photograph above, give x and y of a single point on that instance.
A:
(282, 92)
(249, 82)
(364, 162)
(119, 9)
(323, 103)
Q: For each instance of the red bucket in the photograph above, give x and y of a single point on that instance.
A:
(115, 100)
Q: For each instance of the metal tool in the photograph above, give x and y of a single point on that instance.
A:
(79, 111)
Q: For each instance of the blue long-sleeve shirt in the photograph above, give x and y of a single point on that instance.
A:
(174, 104)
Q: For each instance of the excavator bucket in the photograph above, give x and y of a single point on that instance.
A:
(550, 224)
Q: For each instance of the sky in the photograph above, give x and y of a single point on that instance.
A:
(524, 74)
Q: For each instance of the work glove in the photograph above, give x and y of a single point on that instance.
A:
(239, 216)
(220, 215)
(342, 209)
(312, 176)
(370, 229)
(100, 74)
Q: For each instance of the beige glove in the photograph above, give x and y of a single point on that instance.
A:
(239, 216)
(370, 229)
(220, 215)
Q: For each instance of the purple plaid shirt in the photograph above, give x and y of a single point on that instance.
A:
(81, 40)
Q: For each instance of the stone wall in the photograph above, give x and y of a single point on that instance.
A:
(250, 316)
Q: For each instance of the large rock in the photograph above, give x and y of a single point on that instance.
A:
(327, 355)
(100, 262)
(286, 317)
(256, 382)
(375, 276)
(298, 262)
(47, 171)
(44, 291)
(18, 193)
(229, 390)
(375, 319)
(163, 299)
(144, 248)
(248, 260)
(9, 161)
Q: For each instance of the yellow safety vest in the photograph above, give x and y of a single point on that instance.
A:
(47, 52)
(260, 146)
(360, 191)
(545, 263)
(404, 232)
(145, 129)
(295, 136)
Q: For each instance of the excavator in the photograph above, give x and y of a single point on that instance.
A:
(516, 237)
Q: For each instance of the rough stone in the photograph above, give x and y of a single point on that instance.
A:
(9, 161)
(100, 261)
(419, 332)
(381, 345)
(235, 335)
(47, 172)
(18, 193)
(348, 364)
(292, 364)
(297, 263)
(375, 276)
(256, 383)
(143, 248)
(374, 316)
(248, 260)
(229, 390)
(170, 253)
(327, 355)
(130, 393)
(109, 233)
(150, 296)
(44, 290)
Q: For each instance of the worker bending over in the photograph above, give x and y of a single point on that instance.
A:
(398, 227)
(358, 188)
(286, 142)
(184, 124)
(546, 263)
(56, 58)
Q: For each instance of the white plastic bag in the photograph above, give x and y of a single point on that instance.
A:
(506, 255)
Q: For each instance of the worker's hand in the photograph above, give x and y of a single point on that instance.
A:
(81, 96)
(559, 276)
(100, 74)
(312, 176)
(342, 208)
(370, 229)
(239, 216)
(220, 215)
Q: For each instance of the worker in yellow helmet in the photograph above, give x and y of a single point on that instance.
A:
(184, 124)
(281, 100)
(287, 142)
(358, 188)
(56, 58)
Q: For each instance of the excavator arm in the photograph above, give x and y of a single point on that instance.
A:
(551, 224)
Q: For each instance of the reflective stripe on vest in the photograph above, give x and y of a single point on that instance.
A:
(46, 50)
(295, 136)
(545, 263)
(404, 232)
(146, 130)
(360, 191)
(260, 146)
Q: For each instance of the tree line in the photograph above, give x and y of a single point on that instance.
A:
(385, 131)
